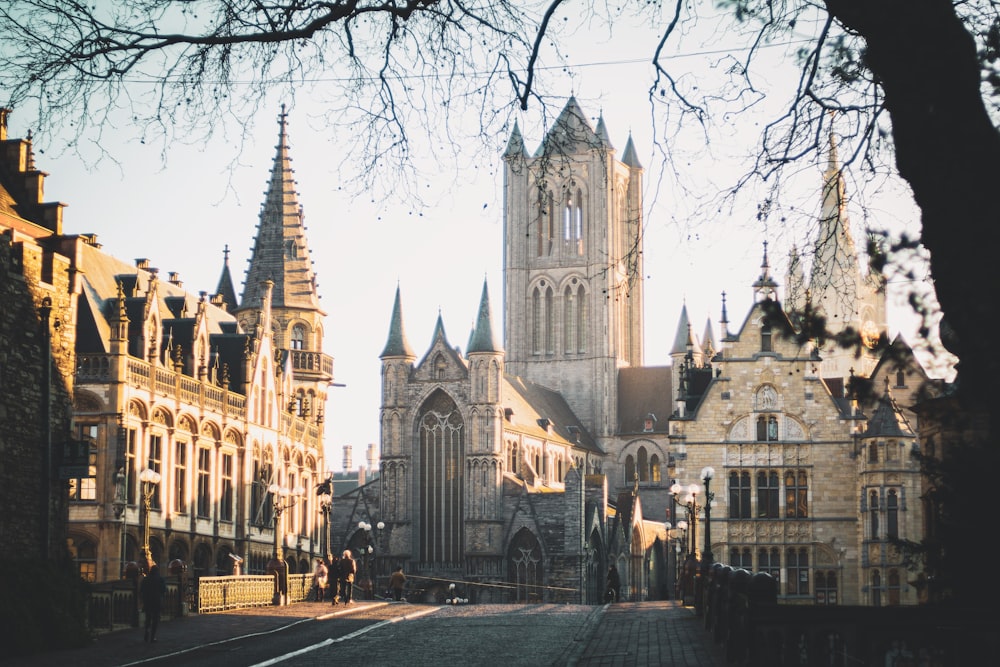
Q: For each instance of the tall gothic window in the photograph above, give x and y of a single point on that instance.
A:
(873, 513)
(204, 482)
(642, 466)
(550, 337)
(769, 561)
(654, 469)
(581, 320)
(226, 496)
(536, 321)
(796, 494)
(892, 515)
(524, 567)
(569, 322)
(767, 494)
(765, 339)
(155, 462)
(180, 477)
(894, 588)
(740, 558)
(739, 495)
(629, 469)
(442, 449)
(798, 571)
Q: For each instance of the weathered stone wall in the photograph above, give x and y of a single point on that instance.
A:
(33, 522)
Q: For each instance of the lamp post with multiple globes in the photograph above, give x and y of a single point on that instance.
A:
(369, 554)
(283, 500)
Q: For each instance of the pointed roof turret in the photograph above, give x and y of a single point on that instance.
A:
(765, 287)
(708, 343)
(397, 345)
(602, 132)
(795, 282)
(888, 421)
(683, 333)
(280, 252)
(629, 157)
(570, 134)
(483, 339)
(225, 288)
(724, 322)
(515, 145)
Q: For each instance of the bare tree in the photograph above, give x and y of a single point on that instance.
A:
(911, 79)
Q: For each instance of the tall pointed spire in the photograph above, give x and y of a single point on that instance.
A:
(483, 339)
(397, 345)
(280, 252)
(225, 288)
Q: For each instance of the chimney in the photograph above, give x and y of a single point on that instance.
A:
(141, 263)
(348, 462)
(372, 458)
(4, 112)
(175, 279)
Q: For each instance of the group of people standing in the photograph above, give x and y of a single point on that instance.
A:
(338, 574)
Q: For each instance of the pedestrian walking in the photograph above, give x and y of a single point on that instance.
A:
(347, 568)
(320, 579)
(613, 592)
(396, 582)
(152, 590)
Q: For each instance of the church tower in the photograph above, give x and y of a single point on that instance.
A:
(281, 257)
(573, 265)
(838, 289)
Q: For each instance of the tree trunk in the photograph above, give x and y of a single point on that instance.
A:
(948, 150)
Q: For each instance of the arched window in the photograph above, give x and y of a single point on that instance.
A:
(876, 589)
(761, 429)
(298, 337)
(900, 378)
(536, 321)
(772, 429)
(569, 322)
(641, 465)
(769, 562)
(442, 449)
(513, 458)
(873, 513)
(439, 367)
(892, 515)
(873, 453)
(740, 558)
(654, 469)
(581, 320)
(550, 337)
(629, 469)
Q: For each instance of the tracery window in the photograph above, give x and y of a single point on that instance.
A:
(767, 494)
(798, 571)
(892, 515)
(442, 448)
(826, 587)
(739, 494)
(796, 494)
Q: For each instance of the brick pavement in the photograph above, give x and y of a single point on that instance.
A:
(620, 635)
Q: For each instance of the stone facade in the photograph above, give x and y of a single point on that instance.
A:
(223, 400)
(522, 469)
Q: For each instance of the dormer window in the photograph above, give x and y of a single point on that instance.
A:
(648, 422)
(765, 338)
(546, 424)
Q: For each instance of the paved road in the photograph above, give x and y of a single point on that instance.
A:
(373, 633)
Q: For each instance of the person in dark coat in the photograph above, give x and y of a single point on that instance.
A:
(346, 569)
(614, 589)
(396, 582)
(152, 590)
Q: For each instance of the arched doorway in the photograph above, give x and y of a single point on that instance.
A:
(596, 569)
(525, 567)
(202, 566)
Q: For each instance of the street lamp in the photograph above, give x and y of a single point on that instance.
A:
(283, 500)
(326, 509)
(687, 496)
(370, 553)
(707, 473)
(150, 482)
(119, 504)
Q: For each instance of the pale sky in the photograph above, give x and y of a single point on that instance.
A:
(182, 213)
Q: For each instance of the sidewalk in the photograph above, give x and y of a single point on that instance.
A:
(643, 634)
